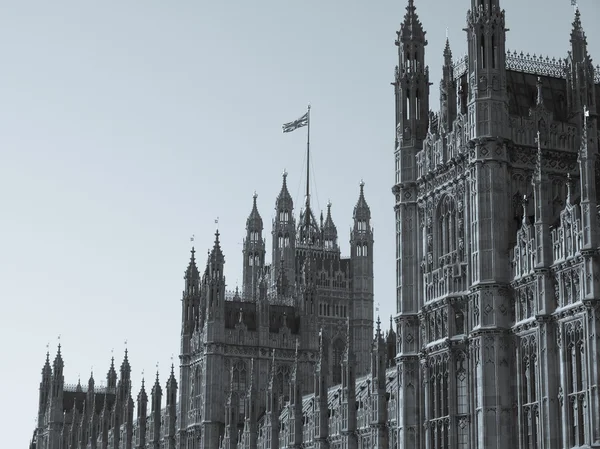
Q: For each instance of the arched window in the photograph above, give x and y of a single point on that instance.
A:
(447, 231)
(240, 384)
(407, 105)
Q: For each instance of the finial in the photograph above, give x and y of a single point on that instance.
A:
(328, 204)
(192, 238)
(285, 173)
(217, 223)
(255, 196)
(446, 33)
(362, 184)
(378, 325)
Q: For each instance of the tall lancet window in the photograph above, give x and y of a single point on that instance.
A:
(407, 105)
(447, 231)
(240, 384)
(529, 392)
(576, 383)
(438, 401)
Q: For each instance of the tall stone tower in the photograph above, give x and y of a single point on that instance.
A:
(411, 88)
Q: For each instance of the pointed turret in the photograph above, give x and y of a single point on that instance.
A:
(171, 410)
(448, 92)
(329, 231)
(284, 233)
(45, 386)
(411, 82)
(379, 396)
(155, 413)
(578, 38)
(215, 287)
(361, 247)
(111, 376)
(125, 368)
(142, 414)
(581, 90)
(193, 312)
(486, 33)
(254, 251)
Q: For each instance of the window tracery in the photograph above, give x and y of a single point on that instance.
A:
(576, 383)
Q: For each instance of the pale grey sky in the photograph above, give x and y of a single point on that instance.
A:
(126, 127)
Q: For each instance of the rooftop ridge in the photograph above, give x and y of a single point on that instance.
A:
(527, 63)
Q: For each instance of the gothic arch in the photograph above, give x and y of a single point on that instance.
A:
(446, 226)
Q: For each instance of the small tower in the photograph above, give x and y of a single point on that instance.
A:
(284, 233)
(379, 416)
(215, 290)
(580, 73)
(411, 82)
(254, 251)
(55, 414)
(45, 386)
(155, 413)
(171, 411)
(111, 376)
(192, 320)
(361, 247)
(329, 232)
(213, 384)
(142, 414)
(488, 100)
(448, 92)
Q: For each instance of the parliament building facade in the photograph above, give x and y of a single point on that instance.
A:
(497, 332)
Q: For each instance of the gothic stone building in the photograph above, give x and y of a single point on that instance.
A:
(498, 288)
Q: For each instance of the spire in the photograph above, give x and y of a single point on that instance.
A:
(447, 53)
(412, 29)
(362, 210)
(125, 367)
(329, 230)
(58, 363)
(192, 274)
(47, 370)
(111, 376)
(254, 221)
(378, 333)
(216, 258)
(284, 199)
(577, 33)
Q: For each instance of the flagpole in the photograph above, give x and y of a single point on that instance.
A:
(308, 171)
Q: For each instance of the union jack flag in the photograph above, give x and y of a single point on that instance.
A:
(292, 126)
